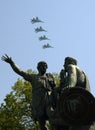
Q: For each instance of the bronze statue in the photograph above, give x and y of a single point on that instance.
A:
(72, 75)
(42, 83)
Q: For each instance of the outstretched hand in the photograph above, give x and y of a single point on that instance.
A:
(6, 58)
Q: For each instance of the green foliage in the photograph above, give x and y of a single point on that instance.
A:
(57, 79)
(15, 113)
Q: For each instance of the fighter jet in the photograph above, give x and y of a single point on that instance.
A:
(43, 38)
(46, 46)
(40, 29)
(36, 20)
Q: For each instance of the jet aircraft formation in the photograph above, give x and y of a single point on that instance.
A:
(41, 29)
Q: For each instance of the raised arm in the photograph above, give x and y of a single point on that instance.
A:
(16, 69)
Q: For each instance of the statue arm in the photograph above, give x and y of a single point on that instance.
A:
(72, 76)
(62, 75)
(15, 68)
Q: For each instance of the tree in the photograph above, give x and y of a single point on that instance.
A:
(16, 113)
(17, 108)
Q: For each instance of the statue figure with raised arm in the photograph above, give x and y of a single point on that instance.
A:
(42, 83)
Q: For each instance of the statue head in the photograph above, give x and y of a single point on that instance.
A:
(70, 60)
(42, 66)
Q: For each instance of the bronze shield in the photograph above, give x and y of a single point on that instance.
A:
(76, 106)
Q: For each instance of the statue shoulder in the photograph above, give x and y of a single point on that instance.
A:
(49, 75)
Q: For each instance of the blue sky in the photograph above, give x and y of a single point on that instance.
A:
(70, 25)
